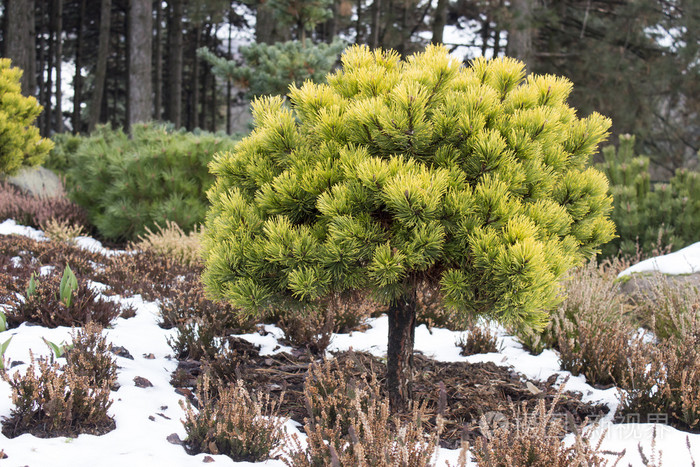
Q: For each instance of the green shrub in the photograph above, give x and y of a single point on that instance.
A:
(20, 143)
(649, 215)
(128, 184)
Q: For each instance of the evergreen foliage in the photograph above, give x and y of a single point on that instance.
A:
(272, 68)
(130, 184)
(649, 215)
(20, 143)
(396, 173)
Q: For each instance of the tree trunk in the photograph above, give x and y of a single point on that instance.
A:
(101, 71)
(229, 85)
(49, 66)
(399, 365)
(175, 62)
(78, 79)
(58, 63)
(194, 109)
(20, 41)
(376, 15)
(158, 53)
(140, 95)
(520, 32)
(439, 21)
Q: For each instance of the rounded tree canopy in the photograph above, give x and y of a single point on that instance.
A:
(395, 172)
(20, 142)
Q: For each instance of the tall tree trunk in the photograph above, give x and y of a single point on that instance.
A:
(439, 21)
(520, 32)
(101, 71)
(175, 61)
(78, 79)
(20, 41)
(49, 67)
(359, 25)
(59, 64)
(140, 94)
(229, 84)
(194, 109)
(376, 15)
(399, 365)
(158, 53)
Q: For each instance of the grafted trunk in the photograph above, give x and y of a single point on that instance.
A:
(399, 365)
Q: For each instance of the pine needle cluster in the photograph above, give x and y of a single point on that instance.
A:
(397, 173)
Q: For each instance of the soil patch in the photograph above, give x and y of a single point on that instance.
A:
(469, 390)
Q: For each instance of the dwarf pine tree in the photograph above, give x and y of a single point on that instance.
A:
(472, 179)
(20, 143)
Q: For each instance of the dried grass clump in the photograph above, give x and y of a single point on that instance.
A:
(233, 422)
(46, 309)
(62, 231)
(478, 339)
(590, 294)
(91, 356)
(349, 424)
(171, 241)
(52, 401)
(534, 439)
(36, 212)
(668, 308)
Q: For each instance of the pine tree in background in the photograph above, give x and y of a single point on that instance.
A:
(270, 69)
(20, 143)
(396, 174)
(649, 216)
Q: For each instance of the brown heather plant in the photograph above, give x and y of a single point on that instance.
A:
(36, 212)
(535, 439)
(91, 356)
(478, 339)
(51, 401)
(233, 422)
(171, 241)
(349, 424)
(664, 378)
(45, 307)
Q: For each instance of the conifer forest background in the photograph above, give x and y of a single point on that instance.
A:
(197, 64)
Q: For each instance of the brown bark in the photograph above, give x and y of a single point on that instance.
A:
(174, 106)
(78, 79)
(20, 41)
(399, 365)
(101, 71)
(58, 62)
(158, 59)
(439, 21)
(194, 108)
(520, 32)
(140, 94)
(376, 15)
(49, 66)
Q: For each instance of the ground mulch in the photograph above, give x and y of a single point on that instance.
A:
(470, 390)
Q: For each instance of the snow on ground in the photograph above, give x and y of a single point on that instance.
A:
(685, 261)
(146, 416)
